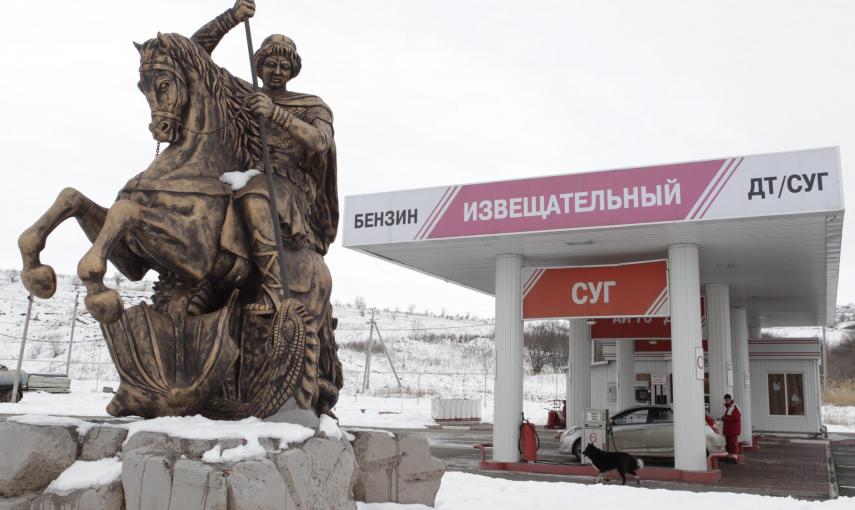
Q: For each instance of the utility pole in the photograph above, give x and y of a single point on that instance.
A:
(824, 361)
(71, 338)
(367, 376)
(17, 382)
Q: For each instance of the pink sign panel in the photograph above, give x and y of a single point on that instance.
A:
(740, 187)
(614, 197)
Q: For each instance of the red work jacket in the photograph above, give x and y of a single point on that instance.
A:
(732, 420)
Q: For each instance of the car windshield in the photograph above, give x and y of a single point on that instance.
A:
(632, 417)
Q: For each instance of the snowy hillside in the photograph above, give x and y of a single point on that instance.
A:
(432, 354)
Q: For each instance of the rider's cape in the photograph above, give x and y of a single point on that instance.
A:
(322, 167)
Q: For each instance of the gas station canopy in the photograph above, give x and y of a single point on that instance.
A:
(768, 225)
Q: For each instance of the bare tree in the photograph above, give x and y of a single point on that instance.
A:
(545, 344)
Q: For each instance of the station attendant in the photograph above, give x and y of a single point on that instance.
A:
(732, 419)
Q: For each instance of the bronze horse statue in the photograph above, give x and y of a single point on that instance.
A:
(193, 350)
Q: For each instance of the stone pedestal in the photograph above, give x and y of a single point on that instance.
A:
(161, 472)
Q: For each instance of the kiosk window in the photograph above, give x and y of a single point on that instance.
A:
(786, 394)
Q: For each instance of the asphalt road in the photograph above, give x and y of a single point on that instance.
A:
(843, 455)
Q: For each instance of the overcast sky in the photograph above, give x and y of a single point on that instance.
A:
(436, 92)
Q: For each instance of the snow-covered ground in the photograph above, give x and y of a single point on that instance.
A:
(353, 410)
(463, 491)
(839, 418)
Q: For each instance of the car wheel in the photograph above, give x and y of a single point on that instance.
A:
(577, 450)
(6, 395)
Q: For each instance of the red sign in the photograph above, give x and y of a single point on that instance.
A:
(638, 328)
(626, 290)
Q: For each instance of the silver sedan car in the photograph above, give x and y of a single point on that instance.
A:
(643, 431)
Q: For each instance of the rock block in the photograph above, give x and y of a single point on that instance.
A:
(196, 485)
(102, 442)
(104, 497)
(332, 474)
(147, 481)
(257, 485)
(375, 458)
(294, 467)
(33, 456)
(419, 473)
(395, 468)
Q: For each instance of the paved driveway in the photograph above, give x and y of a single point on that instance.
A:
(843, 453)
(779, 468)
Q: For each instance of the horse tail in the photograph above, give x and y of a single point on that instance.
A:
(331, 376)
(306, 394)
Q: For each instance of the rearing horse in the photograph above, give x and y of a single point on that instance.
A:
(177, 218)
(170, 217)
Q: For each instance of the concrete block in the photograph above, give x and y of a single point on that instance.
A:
(196, 485)
(32, 456)
(102, 442)
(257, 485)
(104, 497)
(147, 481)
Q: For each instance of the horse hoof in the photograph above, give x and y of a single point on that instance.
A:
(106, 307)
(40, 281)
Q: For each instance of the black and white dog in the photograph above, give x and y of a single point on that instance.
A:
(606, 461)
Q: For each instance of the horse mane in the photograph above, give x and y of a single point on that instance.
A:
(241, 129)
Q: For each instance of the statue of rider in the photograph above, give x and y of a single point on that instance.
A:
(302, 156)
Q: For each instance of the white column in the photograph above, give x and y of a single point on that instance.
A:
(718, 342)
(578, 371)
(688, 397)
(509, 358)
(625, 373)
(741, 370)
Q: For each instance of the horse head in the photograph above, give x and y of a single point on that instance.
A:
(164, 85)
(188, 94)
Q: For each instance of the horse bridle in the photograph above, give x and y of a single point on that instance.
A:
(178, 121)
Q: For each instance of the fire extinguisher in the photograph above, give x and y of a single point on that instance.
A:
(529, 441)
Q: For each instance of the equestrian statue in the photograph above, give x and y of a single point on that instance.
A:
(235, 216)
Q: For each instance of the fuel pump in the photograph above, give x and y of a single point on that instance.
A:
(595, 424)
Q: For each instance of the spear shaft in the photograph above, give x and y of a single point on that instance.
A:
(268, 171)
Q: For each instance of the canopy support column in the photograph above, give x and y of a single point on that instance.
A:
(509, 358)
(719, 345)
(578, 371)
(741, 369)
(686, 348)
